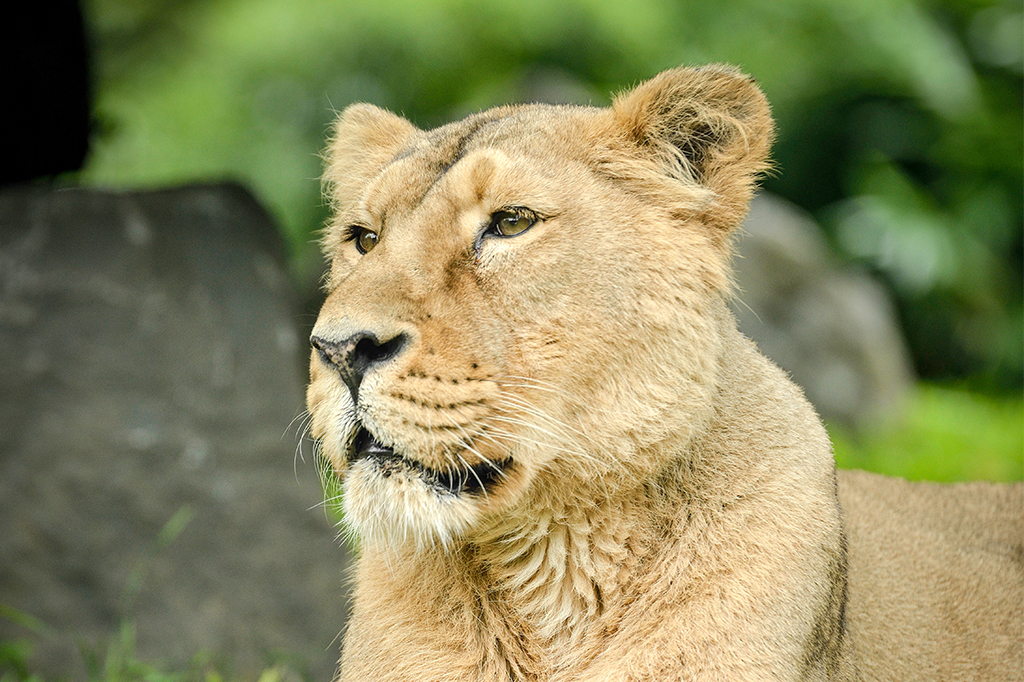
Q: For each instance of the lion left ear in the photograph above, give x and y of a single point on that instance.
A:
(710, 125)
(364, 139)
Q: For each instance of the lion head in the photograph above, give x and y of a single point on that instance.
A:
(525, 304)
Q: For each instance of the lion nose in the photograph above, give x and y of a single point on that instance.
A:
(357, 355)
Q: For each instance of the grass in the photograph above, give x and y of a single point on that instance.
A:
(945, 434)
(117, 661)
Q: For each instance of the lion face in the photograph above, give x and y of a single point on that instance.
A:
(517, 305)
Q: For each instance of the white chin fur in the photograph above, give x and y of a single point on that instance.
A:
(401, 508)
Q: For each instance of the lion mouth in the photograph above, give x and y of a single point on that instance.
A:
(455, 481)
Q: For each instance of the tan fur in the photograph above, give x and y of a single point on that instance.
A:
(666, 506)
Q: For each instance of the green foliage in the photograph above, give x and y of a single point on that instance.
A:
(946, 434)
(900, 121)
(14, 665)
(116, 661)
(15, 654)
(331, 485)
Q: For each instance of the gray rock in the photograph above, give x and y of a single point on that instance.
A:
(150, 368)
(831, 327)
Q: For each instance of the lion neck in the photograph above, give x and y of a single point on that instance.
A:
(566, 567)
(564, 564)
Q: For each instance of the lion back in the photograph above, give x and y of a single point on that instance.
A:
(936, 576)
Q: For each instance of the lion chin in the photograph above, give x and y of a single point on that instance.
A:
(559, 458)
(395, 500)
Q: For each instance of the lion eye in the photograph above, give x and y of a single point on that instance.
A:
(509, 224)
(365, 239)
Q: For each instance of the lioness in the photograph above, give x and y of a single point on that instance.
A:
(562, 460)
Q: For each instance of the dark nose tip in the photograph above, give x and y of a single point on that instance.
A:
(356, 355)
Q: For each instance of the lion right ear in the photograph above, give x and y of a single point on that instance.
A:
(710, 126)
(364, 139)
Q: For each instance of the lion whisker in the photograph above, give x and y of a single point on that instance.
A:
(473, 472)
(555, 423)
(522, 404)
(563, 449)
(466, 444)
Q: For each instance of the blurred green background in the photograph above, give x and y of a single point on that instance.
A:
(900, 130)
